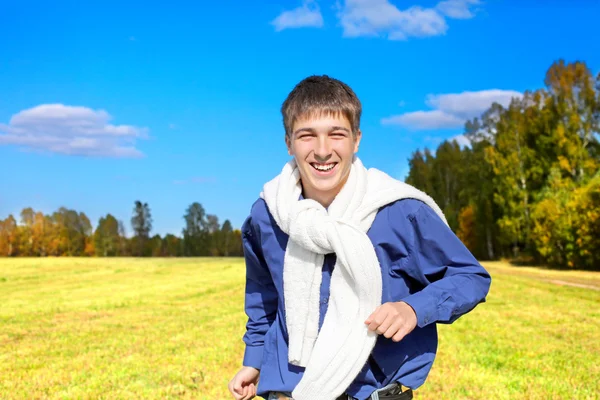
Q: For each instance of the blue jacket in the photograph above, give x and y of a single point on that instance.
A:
(423, 263)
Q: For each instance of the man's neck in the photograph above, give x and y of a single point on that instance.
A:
(323, 198)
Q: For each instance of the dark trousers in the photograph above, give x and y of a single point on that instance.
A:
(391, 392)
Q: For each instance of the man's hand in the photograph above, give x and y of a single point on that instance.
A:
(393, 320)
(243, 385)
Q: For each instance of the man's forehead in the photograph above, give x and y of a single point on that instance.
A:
(322, 120)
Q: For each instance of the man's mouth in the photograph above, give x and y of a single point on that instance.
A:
(323, 167)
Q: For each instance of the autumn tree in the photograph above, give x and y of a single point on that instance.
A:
(8, 237)
(26, 245)
(67, 232)
(574, 104)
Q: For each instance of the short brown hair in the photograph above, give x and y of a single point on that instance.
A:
(319, 95)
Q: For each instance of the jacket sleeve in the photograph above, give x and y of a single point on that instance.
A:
(453, 280)
(260, 296)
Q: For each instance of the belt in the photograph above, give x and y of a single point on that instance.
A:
(390, 392)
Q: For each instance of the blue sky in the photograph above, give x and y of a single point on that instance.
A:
(104, 103)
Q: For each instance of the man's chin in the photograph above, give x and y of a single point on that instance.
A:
(327, 188)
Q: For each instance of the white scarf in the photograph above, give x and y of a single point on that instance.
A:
(335, 356)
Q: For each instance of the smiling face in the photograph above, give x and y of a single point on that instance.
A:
(323, 148)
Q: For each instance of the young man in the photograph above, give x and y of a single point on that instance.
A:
(348, 270)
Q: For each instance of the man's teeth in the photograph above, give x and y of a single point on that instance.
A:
(325, 167)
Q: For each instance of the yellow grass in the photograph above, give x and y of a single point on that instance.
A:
(171, 329)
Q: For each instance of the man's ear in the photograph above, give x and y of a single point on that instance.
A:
(357, 140)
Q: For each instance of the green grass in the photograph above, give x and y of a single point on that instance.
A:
(171, 329)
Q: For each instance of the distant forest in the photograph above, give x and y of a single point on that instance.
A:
(527, 188)
(69, 233)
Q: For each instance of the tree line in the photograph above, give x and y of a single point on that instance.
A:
(67, 232)
(528, 186)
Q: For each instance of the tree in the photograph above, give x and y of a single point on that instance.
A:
(141, 223)
(552, 230)
(106, 237)
(446, 180)
(567, 223)
(123, 242)
(172, 245)
(195, 233)
(214, 232)
(38, 234)
(511, 159)
(26, 245)
(212, 223)
(586, 205)
(419, 176)
(53, 235)
(84, 230)
(73, 230)
(478, 188)
(467, 227)
(156, 246)
(8, 237)
(441, 177)
(227, 238)
(237, 244)
(575, 104)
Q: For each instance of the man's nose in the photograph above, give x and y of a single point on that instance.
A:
(323, 150)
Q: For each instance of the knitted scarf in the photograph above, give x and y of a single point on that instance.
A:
(334, 356)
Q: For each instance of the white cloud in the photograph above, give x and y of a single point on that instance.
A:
(307, 15)
(452, 110)
(382, 18)
(462, 140)
(71, 130)
(471, 104)
(433, 139)
(457, 9)
(422, 120)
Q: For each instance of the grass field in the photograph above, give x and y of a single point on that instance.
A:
(171, 329)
